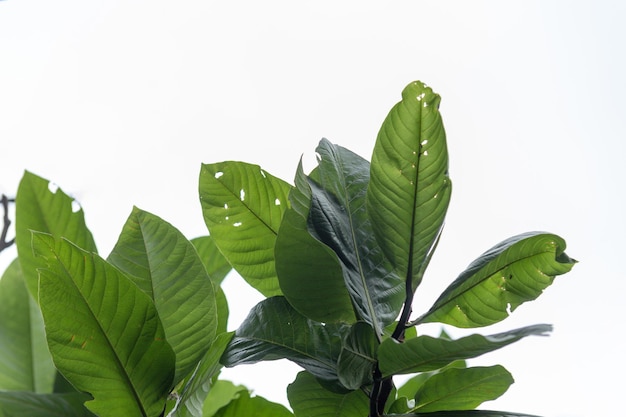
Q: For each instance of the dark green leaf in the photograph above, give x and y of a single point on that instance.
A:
(216, 264)
(462, 389)
(244, 405)
(274, 330)
(409, 187)
(43, 207)
(338, 218)
(513, 272)
(166, 266)
(243, 206)
(358, 357)
(30, 404)
(309, 272)
(310, 399)
(426, 353)
(104, 333)
(25, 363)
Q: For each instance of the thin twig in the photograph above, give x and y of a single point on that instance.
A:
(4, 200)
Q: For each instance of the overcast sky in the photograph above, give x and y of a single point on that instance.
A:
(119, 102)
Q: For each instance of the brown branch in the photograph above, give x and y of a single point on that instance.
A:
(4, 200)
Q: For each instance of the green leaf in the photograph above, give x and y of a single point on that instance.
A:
(338, 218)
(243, 206)
(409, 187)
(221, 394)
(462, 389)
(25, 363)
(274, 330)
(426, 353)
(166, 266)
(300, 260)
(310, 399)
(104, 333)
(192, 400)
(244, 405)
(31, 404)
(216, 264)
(43, 207)
(358, 357)
(513, 272)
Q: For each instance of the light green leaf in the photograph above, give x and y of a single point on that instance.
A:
(216, 264)
(513, 272)
(192, 400)
(104, 333)
(30, 404)
(462, 389)
(409, 187)
(274, 330)
(25, 363)
(166, 266)
(300, 260)
(426, 353)
(243, 206)
(244, 405)
(42, 206)
(338, 218)
(221, 394)
(358, 357)
(310, 399)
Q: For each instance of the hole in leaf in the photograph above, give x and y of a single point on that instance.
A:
(52, 187)
(237, 224)
(242, 194)
(277, 202)
(263, 174)
(218, 174)
(75, 206)
(226, 205)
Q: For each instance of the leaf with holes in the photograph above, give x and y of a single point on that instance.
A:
(103, 332)
(409, 187)
(500, 280)
(243, 206)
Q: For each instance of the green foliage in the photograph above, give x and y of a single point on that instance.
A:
(338, 256)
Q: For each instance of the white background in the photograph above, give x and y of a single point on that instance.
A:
(119, 102)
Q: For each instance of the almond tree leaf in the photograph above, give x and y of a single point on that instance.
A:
(409, 188)
(309, 272)
(166, 266)
(30, 404)
(426, 353)
(243, 206)
(310, 399)
(462, 389)
(25, 363)
(42, 206)
(357, 360)
(103, 332)
(275, 330)
(216, 264)
(500, 280)
(338, 218)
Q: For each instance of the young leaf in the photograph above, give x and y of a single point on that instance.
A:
(243, 206)
(31, 404)
(274, 330)
(409, 187)
(338, 218)
(25, 363)
(358, 357)
(104, 333)
(166, 266)
(462, 389)
(221, 394)
(310, 399)
(309, 272)
(426, 353)
(43, 207)
(244, 405)
(216, 265)
(513, 272)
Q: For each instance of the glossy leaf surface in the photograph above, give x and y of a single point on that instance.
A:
(104, 333)
(25, 363)
(309, 272)
(274, 330)
(426, 353)
(309, 399)
(358, 357)
(243, 206)
(513, 272)
(166, 266)
(42, 206)
(409, 187)
(462, 389)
